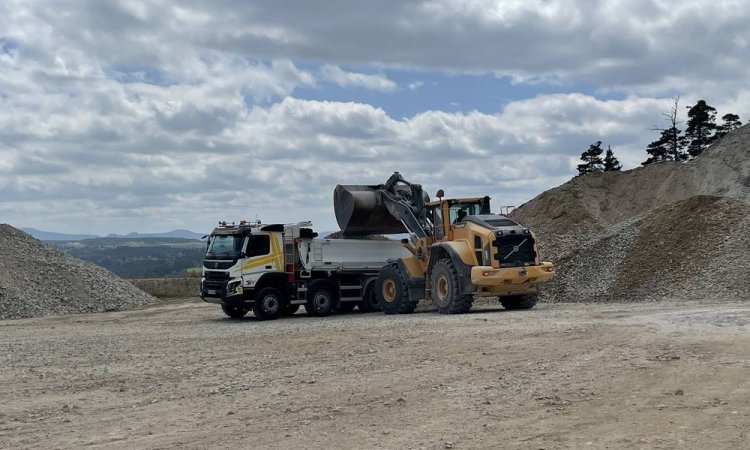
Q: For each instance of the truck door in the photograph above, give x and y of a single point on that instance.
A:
(262, 255)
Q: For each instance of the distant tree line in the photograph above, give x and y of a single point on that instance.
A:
(701, 132)
(593, 161)
(672, 144)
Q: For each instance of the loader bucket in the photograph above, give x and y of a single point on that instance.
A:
(360, 211)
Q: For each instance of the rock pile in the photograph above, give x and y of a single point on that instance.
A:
(38, 280)
(665, 231)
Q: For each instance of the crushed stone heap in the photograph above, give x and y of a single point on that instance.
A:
(672, 231)
(39, 280)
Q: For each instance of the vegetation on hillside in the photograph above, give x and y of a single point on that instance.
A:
(139, 257)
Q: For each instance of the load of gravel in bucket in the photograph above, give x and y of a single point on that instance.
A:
(665, 231)
(38, 280)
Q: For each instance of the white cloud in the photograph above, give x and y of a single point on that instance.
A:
(118, 114)
(342, 78)
(413, 86)
(282, 161)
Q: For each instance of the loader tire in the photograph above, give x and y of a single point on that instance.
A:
(370, 302)
(392, 291)
(233, 311)
(269, 304)
(527, 301)
(445, 289)
(321, 300)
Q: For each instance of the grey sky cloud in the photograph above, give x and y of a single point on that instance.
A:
(180, 113)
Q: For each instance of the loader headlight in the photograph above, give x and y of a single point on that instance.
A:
(486, 255)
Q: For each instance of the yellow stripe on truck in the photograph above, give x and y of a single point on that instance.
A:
(274, 257)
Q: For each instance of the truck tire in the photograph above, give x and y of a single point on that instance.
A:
(392, 291)
(446, 289)
(527, 301)
(289, 310)
(269, 304)
(233, 311)
(321, 301)
(370, 302)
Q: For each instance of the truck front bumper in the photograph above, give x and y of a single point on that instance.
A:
(238, 296)
(490, 280)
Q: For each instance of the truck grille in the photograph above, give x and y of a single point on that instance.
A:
(223, 265)
(216, 276)
(215, 280)
(515, 250)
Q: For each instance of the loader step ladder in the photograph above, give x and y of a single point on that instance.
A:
(290, 249)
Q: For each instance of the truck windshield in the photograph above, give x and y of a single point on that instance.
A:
(225, 247)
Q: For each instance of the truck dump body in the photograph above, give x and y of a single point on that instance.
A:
(348, 255)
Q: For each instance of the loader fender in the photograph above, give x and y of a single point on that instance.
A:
(451, 250)
(416, 285)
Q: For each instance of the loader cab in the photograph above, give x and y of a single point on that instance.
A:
(448, 214)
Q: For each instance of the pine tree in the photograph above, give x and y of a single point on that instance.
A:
(700, 127)
(610, 161)
(670, 145)
(592, 159)
(730, 122)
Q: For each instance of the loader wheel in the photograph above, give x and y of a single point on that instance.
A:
(321, 300)
(370, 302)
(392, 291)
(289, 310)
(527, 301)
(446, 289)
(233, 311)
(269, 304)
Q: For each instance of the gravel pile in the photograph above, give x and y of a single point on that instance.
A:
(38, 280)
(665, 231)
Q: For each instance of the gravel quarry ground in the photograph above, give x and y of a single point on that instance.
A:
(565, 375)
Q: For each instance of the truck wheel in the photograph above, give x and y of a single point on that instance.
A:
(393, 294)
(289, 310)
(321, 300)
(527, 301)
(233, 311)
(269, 304)
(445, 289)
(370, 302)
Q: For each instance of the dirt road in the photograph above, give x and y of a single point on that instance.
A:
(180, 375)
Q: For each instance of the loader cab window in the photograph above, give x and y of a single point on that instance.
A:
(459, 211)
(258, 245)
(437, 223)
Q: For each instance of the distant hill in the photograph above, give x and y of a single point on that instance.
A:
(182, 234)
(52, 236)
(143, 257)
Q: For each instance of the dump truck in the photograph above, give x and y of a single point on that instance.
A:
(273, 269)
(458, 249)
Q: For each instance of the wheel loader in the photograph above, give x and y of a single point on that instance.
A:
(458, 249)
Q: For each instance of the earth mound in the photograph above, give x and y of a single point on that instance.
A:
(667, 230)
(39, 280)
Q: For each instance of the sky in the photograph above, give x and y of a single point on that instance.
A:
(120, 116)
